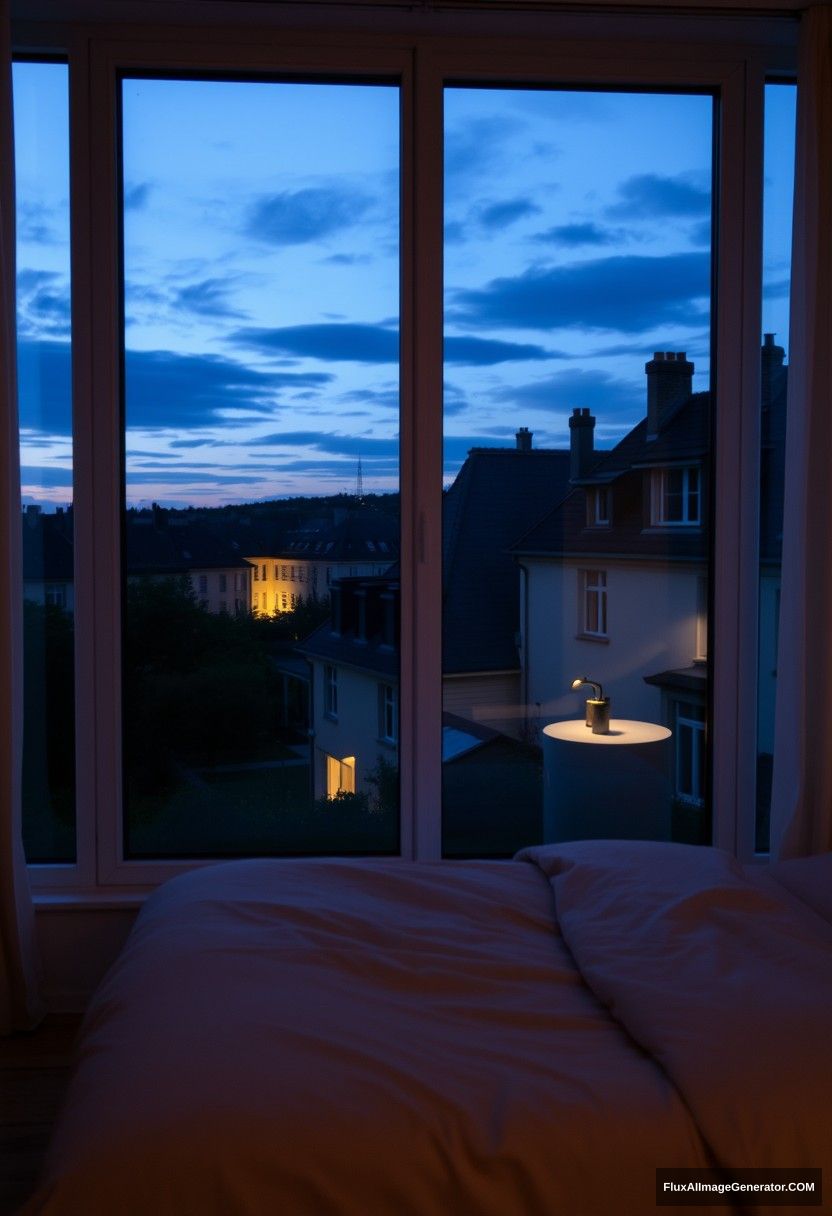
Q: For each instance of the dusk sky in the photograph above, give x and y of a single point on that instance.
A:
(261, 274)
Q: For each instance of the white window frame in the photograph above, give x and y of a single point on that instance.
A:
(690, 731)
(659, 485)
(593, 603)
(330, 673)
(599, 506)
(665, 51)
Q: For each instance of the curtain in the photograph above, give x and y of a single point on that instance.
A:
(801, 813)
(20, 1005)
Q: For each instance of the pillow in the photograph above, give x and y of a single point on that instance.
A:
(810, 879)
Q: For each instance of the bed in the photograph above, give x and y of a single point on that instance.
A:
(523, 1038)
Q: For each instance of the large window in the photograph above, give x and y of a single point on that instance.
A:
(261, 285)
(336, 296)
(44, 380)
(578, 240)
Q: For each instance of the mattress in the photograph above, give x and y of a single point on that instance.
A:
(371, 1037)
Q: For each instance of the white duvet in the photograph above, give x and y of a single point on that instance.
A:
(378, 1038)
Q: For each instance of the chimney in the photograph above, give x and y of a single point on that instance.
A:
(669, 383)
(773, 372)
(581, 444)
(524, 439)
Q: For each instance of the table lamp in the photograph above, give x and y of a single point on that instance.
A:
(597, 707)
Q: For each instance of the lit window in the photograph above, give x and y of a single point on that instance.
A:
(265, 576)
(676, 497)
(340, 776)
(285, 570)
(593, 621)
(330, 691)
(701, 649)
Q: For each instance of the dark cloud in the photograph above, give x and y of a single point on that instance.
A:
(43, 304)
(296, 217)
(455, 233)
(613, 401)
(42, 225)
(45, 475)
(207, 299)
(337, 342)
(500, 215)
(194, 480)
(476, 144)
(192, 443)
(375, 344)
(456, 447)
(577, 234)
(135, 197)
(334, 445)
(347, 259)
(777, 289)
(624, 293)
(647, 196)
(166, 389)
(700, 234)
(44, 376)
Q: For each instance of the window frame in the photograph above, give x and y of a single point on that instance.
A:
(661, 53)
(593, 583)
(660, 492)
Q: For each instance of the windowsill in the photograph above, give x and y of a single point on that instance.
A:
(665, 528)
(390, 744)
(331, 717)
(593, 637)
(90, 901)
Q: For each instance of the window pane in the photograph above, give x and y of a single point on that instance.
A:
(261, 233)
(44, 389)
(577, 272)
(780, 100)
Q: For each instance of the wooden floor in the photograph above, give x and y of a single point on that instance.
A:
(34, 1070)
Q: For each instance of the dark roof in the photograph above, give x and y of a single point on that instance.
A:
(377, 649)
(156, 544)
(359, 535)
(497, 494)
(684, 440)
(683, 679)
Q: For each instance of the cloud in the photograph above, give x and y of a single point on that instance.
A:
(647, 195)
(613, 401)
(500, 215)
(375, 344)
(43, 304)
(777, 289)
(41, 224)
(352, 446)
(477, 143)
(136, 197)
(165, 389)
(577, 234)
(44, 376)
(624, 293)
(297, 217)
(700, 234)
(207, 299)
(45, 476)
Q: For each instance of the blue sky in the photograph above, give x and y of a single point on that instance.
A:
(261, 274)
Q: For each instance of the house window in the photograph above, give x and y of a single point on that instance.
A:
(701, 645)
(284, 601)
(285, 570)
(257, 574)
(593, 604)
(340, 776)
(264, 572)
(239, 581)
(55, 595)
(276, 571)
(690, 753)
(203, 584)
(676, 497)
(330, 691)
(599, 507)
(388, 727)
(223, 582)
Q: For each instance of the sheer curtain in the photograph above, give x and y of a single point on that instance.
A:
(801, 814)
(19, 1002)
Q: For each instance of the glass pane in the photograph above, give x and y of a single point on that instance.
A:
(261, 235)
(577, 271)
(780, 102)
(41, 130)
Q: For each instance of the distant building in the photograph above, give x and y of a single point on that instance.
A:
(48, 575)
(358, 543)
(498, 494)
(162, 544)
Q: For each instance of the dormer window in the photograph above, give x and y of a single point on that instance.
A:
(598, 507)
(676, 498)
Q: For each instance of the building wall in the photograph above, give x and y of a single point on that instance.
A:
(651, 623)
(221, 590)
(493, 700)
(289, 580)
(355, 732)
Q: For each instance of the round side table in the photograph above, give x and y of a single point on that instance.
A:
(614, 786)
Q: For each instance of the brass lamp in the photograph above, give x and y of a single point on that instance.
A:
(597, 707)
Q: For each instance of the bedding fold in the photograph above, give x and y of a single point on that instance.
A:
(725, 981)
